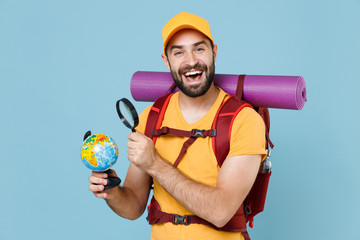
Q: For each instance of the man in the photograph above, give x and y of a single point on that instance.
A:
(197, 186)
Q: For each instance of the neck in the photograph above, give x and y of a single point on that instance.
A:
(194, 109)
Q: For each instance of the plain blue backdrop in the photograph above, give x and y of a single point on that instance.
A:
(63, 65)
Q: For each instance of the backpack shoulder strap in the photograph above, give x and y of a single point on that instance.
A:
(156, 115)
(263, 111)
(223, 124)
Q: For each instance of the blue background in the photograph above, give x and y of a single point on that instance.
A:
(63, 65)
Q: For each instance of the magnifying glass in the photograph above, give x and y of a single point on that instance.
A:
(127, 113)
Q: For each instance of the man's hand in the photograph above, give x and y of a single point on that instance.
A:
(128, 201)
(141, 151)
(97, 184)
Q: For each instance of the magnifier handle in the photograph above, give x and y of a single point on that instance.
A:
(133, 130)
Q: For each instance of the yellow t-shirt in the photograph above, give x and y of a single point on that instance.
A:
(199, 162)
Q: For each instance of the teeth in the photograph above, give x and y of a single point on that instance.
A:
(192, 73)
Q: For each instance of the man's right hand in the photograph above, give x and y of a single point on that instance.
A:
(128, 201)
(97, 184)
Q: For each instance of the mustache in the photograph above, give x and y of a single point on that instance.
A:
(197, 66)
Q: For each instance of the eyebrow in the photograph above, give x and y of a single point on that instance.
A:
(181, 46)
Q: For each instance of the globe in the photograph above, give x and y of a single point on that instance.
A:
(99, 152)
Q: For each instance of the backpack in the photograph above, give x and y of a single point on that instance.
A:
(220, 134)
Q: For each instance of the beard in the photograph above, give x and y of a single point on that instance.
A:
(198, 90)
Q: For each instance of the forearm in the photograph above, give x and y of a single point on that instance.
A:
(210, 203)
(125, 203)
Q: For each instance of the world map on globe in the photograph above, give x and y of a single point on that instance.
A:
(99, 152)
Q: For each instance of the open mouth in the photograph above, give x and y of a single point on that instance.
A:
(193, 75)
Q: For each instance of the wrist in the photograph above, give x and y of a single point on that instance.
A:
(157, 164)
(112, 194)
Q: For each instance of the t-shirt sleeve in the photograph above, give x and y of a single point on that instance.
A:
(142, 120)
(247, 134)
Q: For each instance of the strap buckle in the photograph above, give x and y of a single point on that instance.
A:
(247, 210)
(200, 133)
(159, 132)
(178, 219)
(197, 133)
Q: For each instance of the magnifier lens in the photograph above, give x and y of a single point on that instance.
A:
(128, 117)
(127, 113)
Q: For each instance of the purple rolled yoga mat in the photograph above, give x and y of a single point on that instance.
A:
(287, 92)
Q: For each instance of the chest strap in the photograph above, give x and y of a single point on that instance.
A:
(193, 135)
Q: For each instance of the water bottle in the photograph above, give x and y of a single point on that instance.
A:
(265, 166)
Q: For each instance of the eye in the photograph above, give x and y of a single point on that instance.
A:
(177, 53)
(199, 49)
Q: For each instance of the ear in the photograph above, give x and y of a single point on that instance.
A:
(166, 61)
(215, 52)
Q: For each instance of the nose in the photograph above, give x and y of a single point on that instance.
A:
(191, 59)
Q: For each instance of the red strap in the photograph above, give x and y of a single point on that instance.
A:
(162, 112)
(172, 131)
(236, 224)
(246, 235)
(171, 89)
(156, 115)
(263, 112)
(185, 146)
(223, 125)
(183, 133)
(240, 87)
(193, 134)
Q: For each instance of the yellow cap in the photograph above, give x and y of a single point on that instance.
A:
(185, 20)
